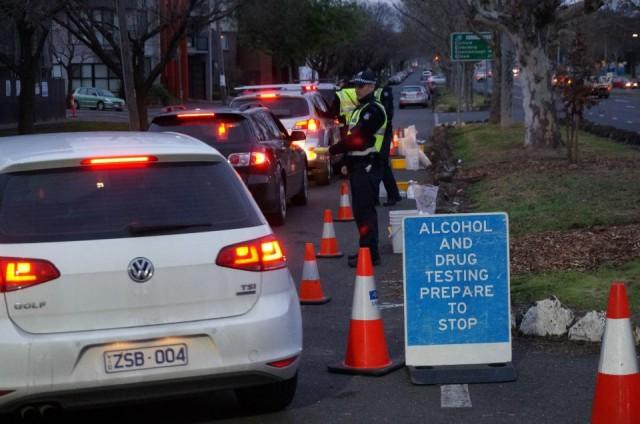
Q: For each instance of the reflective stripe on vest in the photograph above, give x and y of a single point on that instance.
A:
(348, 102)
(379, 135)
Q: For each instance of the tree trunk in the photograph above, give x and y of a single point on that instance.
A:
(540, 121)
(28, 68)
(127, 68)
(499, 72)
(506, 81)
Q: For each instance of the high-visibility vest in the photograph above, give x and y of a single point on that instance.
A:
(378, 95)
(348, 102)
(379, 135)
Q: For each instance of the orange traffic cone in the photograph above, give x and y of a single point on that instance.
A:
(366, 346)
(329, 242)
(344, 211)
(617, 394)
(310, 288)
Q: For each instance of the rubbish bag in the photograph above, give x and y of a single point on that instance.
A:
(426, 197)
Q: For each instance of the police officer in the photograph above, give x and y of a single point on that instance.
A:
(384, 95)
(361, 156)
(346, 101)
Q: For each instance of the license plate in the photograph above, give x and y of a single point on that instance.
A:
(145, 358)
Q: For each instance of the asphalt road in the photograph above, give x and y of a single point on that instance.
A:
(620, 110)
(555, 379)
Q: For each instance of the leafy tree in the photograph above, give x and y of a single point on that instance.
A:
(30, 20)
(98, 29)
(533, 27)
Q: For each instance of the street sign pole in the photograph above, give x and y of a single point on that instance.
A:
(457, 299)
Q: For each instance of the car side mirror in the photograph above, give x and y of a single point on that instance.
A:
(297, 136)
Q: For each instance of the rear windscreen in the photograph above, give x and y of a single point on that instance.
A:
(85, 203)
(281, 107)
(216, 132)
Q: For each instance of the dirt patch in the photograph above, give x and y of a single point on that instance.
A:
(583, 249)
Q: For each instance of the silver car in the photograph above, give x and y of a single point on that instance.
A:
(414, 95)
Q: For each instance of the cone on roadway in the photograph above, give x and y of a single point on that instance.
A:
(344, 211)
(310, 288)
(329, 242)
(617, 394)
(366, 345)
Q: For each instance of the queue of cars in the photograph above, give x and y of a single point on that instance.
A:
(137, 265)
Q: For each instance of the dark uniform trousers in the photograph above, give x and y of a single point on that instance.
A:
(363, 198)
(383, 170)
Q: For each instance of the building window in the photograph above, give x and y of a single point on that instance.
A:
(224, 42)
(94, 75)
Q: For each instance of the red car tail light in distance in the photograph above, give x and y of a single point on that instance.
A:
(20, 273)
(255, 159)
(263, 254)
(194, 115)
(308, 124)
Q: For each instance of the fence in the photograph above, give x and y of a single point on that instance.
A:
(49, 100)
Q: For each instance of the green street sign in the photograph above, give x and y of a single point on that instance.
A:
(469, 47)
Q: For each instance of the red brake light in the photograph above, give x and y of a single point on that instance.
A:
(307, 124)
(268, 96)
(283, 362)
(310, 88)
(196, 115)
(20, 273)
(263, 254)
(258, 158)
(119, 161)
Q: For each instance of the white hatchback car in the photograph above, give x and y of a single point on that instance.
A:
(135, 265)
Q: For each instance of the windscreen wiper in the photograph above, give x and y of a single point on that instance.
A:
(140, 229)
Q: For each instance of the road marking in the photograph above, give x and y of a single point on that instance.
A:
(435, 118)
(455, 396)
(629, 122)
(614, 118)
(602, 115)
(620, 101)
(630, 107)
(386, 305)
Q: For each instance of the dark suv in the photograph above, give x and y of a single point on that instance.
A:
(257, 145)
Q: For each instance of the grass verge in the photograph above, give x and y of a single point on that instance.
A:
(446, 101)
(541, 192)
(71, 126)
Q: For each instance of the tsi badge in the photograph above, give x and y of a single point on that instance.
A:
(140, 270)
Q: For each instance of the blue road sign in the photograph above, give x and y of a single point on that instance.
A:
(456, 284)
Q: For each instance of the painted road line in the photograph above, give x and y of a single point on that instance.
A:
(630, 107)
(602, 115)
(620, 101)
(629, 122)
(387, 305)
(436, 122)
(614, 118)
(455, 396)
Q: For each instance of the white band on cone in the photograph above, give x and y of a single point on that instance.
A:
(310, 271)
(365, 299)
(344, 201)
(328, 231)
(618, 356)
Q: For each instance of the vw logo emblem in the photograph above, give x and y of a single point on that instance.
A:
(140, 270)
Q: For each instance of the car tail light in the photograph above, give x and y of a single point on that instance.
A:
(268, 96)
(308, 124)
(119, 161)
(310, 87)
(283, 362)
(20, 273)
(263, 254)
(196, 115)
(258, 159)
